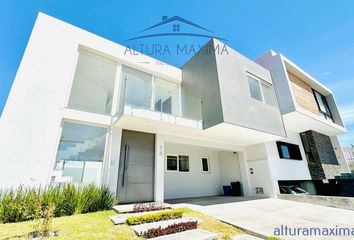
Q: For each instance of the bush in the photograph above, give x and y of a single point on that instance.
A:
(19, 204)
(174, 228)
(154, 217)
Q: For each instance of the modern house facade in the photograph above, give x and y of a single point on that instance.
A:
(81, 110)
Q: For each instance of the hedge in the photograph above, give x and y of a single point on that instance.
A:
(154, 217)
(17, 205)
(174, 228)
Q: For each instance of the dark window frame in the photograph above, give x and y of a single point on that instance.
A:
(294, 151)
(207, 165)
(177, 158)
(167, 165)
(179, 163)
(327, 115)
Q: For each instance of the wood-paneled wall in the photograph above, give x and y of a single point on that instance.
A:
(303, 94)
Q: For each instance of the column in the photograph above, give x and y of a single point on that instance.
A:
(159, 168)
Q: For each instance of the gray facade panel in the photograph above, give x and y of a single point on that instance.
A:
(274, 63)
(200, 80)
(239, 108)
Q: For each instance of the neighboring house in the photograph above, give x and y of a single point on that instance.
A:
(349, 156)
(81, 111)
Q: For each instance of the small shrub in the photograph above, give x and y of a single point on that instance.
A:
(43, 220)
(154, 217)
(146, 207)
(174, 228)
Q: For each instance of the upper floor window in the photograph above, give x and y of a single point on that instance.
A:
(255, 88)
(262, 90)
(93, 84)
(322, 105)
(268, 93)
(138, 88)
(166, 96)
(289, 151)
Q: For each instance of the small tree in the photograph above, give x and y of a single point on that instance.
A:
(43, 217)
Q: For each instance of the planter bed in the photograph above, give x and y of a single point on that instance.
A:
(142, 228)
(155, 217)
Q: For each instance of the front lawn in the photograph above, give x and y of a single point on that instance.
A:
(99, 226)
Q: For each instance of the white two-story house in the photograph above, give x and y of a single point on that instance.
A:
(82, 110)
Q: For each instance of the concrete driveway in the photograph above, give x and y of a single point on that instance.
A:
(263, 216)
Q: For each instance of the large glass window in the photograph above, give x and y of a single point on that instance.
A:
(166, 96)
(255, 89)
(92, 88)
(81, 152)
(138, 88)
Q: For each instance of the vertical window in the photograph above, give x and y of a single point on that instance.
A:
(138, 88)
(205, 165)
(171, 163)
(285, 151)
(322, 105)
(93, 84)
(183, 163)
(255, 89)
(262, 90)
(268, 93)
(80, 152)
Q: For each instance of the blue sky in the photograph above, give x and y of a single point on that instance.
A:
(317, 35)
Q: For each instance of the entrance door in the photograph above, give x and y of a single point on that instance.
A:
(136, 167)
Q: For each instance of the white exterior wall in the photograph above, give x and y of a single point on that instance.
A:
(261, 177)
(31, 120)
(229, 168)
(193, 183)
(286, 169)
(114, 144)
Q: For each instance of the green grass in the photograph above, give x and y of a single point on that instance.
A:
(213, 225)
(99, 226)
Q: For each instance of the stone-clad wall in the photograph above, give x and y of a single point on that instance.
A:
(322, 160)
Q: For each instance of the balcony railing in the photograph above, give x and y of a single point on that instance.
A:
(157, 95)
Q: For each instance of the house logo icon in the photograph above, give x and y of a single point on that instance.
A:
(175, 26)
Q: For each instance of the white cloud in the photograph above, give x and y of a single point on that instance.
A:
(326, 73)
(347, 113)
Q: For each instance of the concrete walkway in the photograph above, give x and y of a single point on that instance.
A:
(263, 216)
